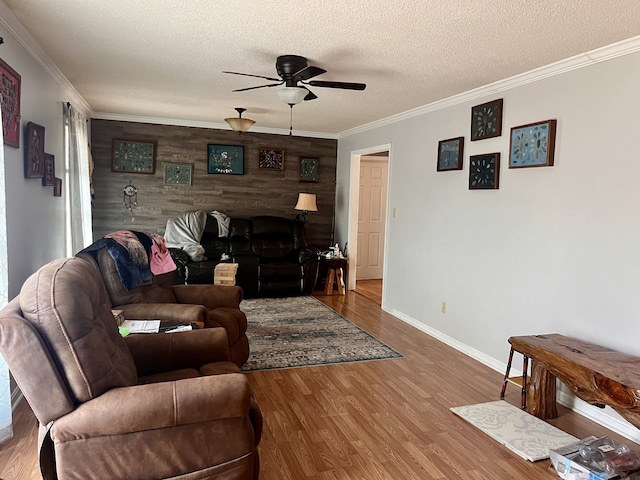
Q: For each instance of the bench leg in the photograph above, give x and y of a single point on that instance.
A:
(328, 287)
(506, 374)
(525, 370)
(541, 392)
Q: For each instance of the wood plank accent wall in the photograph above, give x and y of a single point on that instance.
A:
(257, 192)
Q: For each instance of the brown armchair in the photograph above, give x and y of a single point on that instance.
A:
(145, 406)
(209, 305)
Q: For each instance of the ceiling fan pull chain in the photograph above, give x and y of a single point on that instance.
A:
(291, 120)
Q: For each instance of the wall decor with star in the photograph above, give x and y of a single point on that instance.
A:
(450, 154)
(533, 145)
(484, 171)
(271, 159)
(486, 120)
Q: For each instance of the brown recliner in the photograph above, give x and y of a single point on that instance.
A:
(141, 407)
(210, 305)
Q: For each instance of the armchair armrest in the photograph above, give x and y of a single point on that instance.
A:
(175, 312)
(157, 353)
(211, 296)
(156, 406)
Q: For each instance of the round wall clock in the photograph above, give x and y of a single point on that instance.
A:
(484, 171)
(486, 120)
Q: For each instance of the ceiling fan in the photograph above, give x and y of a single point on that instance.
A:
(294, 74)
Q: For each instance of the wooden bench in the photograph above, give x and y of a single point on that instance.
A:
(595, 374)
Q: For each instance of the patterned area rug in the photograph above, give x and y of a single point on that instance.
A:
(302, 331)
(521, 432)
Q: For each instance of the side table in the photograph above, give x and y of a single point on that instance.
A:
(335, 272)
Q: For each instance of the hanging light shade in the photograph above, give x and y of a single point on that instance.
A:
(239, 124)
(292, 95)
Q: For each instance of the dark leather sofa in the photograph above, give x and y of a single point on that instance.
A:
(272, 254)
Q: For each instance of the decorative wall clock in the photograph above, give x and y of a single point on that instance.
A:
(484, 171)
(533, 145)
(486, 120)
(450, 154)
(271, 159)
(178, 173)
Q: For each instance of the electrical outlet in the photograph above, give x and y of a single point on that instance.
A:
(444, 307)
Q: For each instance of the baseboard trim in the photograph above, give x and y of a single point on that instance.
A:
(610, 419)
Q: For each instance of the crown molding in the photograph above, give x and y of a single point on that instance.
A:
(199, 124)
(24, 38)
(609, 52)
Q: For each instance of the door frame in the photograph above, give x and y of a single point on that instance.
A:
(354, 200)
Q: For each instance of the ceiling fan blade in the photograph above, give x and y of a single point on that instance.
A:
(256, 76)
(310, 95)
(308, 72)
(345, 85)
(259, 86)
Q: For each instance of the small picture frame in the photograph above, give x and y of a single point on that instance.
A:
(225, 159)
(10, 84)
(133, 156)
(48, 177)
(308, 169)
(57, 187)
(533, 145)
(271, 159)
(486, 120)
(484, 171)
(34, 151)
(450, 154)
(178, 173)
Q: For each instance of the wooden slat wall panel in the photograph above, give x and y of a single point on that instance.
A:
(257, 192)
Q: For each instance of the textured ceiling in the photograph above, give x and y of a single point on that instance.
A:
(164, 58)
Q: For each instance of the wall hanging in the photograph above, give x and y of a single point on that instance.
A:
(450, 154)
(533, 145)
(34, 151)
(484, 171)
(308, 169)
(225, 159)
(178, 173)
(271, 159)
(486, 120)
(130, 197)
(10, 83)
(48, 176)
(133, 156)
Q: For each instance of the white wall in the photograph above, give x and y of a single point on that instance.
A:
(35, 218)
(555, 249)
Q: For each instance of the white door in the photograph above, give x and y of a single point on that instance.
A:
(372, 209)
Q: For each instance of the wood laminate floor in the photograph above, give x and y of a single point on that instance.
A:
(387, 420)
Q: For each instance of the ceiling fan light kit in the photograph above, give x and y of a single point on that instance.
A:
(292, 95)
(239, 124)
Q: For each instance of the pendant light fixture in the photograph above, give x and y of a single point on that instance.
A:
(239, 124)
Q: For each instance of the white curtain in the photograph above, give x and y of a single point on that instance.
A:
(6, 431)
(78, 180)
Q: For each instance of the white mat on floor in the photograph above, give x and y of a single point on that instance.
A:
(521, 432)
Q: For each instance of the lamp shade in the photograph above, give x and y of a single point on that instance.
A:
(239, 124)
(306, 202)
(292, 95)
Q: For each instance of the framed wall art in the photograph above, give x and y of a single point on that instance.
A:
(484, 171)
(57, 187)
(533, 145)
(10, 83)
(34, 151)
(133, 156)
(225, 159)
(486, 120)
(450, 154)
(308, 169)
(271, 159)
(178, 173)
(49, 174)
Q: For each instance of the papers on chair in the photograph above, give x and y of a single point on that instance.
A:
(142, 326)
(178, 328)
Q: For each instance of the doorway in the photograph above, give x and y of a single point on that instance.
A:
(368, 220)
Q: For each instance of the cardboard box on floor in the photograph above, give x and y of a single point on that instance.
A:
(569, 465)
